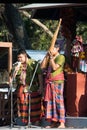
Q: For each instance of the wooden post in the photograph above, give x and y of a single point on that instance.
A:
(8, 45)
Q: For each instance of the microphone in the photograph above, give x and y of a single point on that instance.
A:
(17, 64)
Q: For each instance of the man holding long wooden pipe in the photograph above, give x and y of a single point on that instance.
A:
(54, 86)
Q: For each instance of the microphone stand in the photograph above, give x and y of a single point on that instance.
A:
(11, 85)
(29, 91)
(10, 92)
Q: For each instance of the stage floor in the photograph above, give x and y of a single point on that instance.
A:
(74, 123)
(27, 128)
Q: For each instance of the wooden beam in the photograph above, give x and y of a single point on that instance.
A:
(5, 44)
(8, 45)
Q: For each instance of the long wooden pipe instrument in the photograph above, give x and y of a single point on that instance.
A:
(55, 36)
(53, 42)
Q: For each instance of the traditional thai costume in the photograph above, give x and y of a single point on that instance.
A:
(23, 79)
(53, 97)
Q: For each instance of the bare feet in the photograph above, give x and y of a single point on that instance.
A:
(62, 125)
(54, 124)
(48, 127)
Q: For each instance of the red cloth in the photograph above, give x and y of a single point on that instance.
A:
(50, 85)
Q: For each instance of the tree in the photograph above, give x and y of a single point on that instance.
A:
(38, 23)
(15, 25)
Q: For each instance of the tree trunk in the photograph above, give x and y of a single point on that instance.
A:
(15, 25)
(68, 29)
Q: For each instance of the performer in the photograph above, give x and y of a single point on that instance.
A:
(54, 86)
(23, 76)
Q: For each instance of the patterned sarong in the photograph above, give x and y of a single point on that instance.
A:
(23, 105)
(53, 98)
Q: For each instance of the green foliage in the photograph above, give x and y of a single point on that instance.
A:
(82, 30)
(39, 39)
(3, 33)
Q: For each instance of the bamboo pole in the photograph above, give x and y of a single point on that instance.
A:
(55, 35)
(53, 41)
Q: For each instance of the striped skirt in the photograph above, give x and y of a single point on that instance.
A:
(23, 105)
(55, 110)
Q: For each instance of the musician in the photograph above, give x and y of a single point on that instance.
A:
(23, 75)
(54, 86)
